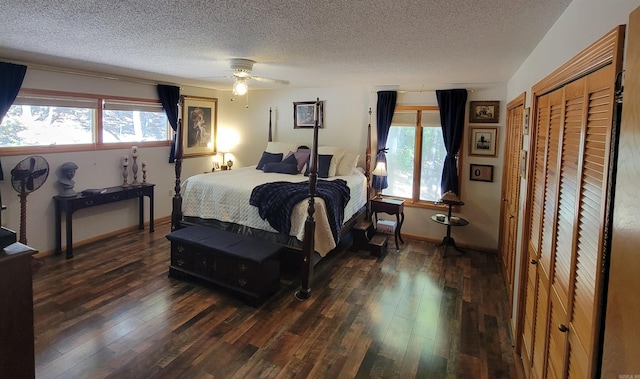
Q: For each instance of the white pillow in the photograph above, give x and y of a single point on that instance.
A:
(281, 147)
(347, 163)
(337, 152)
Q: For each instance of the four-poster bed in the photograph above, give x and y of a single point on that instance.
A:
(305, 241)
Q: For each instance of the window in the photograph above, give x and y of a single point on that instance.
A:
(416, 154)
(129, 121)
(39, 118)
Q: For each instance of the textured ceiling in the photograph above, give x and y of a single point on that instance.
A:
(310, 43)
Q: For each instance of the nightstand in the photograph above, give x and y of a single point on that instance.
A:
(392, 207)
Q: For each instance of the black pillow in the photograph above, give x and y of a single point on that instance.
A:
(268, 158)
(281, 167)
(324, 161)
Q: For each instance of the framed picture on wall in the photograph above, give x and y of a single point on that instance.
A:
(483, 141)
(199, 125)
(484, 111)
(481, 172)
(304, 114)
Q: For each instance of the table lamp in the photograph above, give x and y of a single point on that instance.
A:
(379, 170)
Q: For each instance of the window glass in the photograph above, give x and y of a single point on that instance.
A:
(124, 121)
(415, 155)
(43, 121)
(400, 156)
(433, 154)
(53, 118)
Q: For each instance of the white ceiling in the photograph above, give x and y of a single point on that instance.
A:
(333, 43)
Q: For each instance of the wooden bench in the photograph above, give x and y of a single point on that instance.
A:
(246, 265)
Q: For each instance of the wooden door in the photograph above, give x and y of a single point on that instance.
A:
(569, 200)
(511, 192)
(621, 341)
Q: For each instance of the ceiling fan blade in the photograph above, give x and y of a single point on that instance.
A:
(268, 80)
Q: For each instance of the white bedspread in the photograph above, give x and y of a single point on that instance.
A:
(224, 196)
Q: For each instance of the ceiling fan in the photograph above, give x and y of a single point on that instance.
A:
(241, 69)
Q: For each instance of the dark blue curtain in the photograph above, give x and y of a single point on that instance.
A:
(170, 97)
(384, 115)
(452, 104)
(11, 77)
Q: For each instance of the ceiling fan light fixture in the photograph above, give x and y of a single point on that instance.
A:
(239, 87)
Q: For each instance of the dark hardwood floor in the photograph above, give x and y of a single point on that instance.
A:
(112, 312)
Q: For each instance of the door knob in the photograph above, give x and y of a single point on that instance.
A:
(534, 262)
(563, 328)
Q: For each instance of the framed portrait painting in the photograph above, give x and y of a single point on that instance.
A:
(483, 141)
(304, 114)
(484, 111)
(199, 125)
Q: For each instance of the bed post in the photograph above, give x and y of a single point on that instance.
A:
(176, 210)
(367, 170)
(308, 243)
(270, 134)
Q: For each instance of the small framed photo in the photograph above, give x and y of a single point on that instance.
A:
(484, 111)
(199, 125)
(305, 114)
(483, 141)
(481, 172)
(216, 166)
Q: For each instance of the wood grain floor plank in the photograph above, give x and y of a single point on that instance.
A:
(112, 312)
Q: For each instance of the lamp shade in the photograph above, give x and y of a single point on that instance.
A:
(380, 170)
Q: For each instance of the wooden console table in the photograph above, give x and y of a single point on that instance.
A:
(68, 205)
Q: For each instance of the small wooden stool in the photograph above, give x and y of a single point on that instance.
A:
(378, 245)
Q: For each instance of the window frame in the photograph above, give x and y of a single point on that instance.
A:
(417, 159)
(97, 127)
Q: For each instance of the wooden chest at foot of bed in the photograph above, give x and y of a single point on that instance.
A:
(246, 265)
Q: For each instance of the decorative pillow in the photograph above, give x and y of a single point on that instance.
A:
(324, 161)
(301, 156)
(281, 147)
(347, 163)
(268, 158)
(290, 159)
(337, 152)
(281, 167)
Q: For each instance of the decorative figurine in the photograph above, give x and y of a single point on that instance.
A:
(134, 167)
(125, 172)
(144, 172)
(67, 172)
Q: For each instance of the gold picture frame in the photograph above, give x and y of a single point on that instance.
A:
(484, 112)
(304, 114)
(483, 141)
(199, 125)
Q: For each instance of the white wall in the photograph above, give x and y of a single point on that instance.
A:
(581, 24)
(246, 120)
(96, 169)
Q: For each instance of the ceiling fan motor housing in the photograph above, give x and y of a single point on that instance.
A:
(241, 67)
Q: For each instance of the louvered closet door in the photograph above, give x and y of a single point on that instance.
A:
(566, 229)
(511, 194)
(587, 261)
(547, 231)
(532, 301)
(570, 151)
